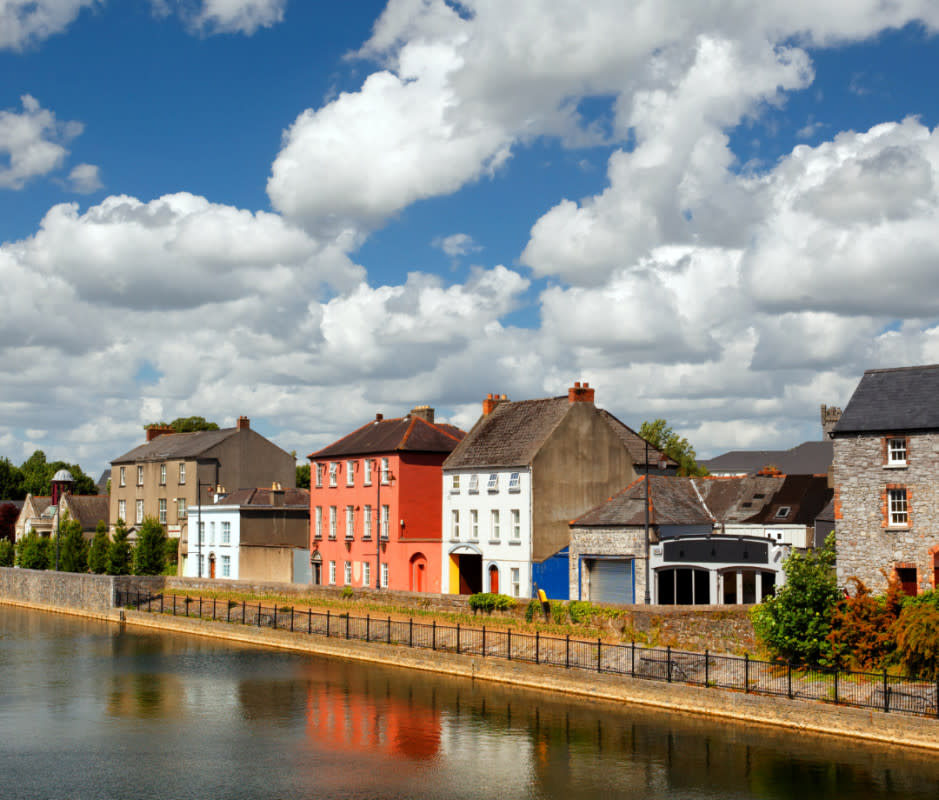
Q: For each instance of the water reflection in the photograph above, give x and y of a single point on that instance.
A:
(100, 711)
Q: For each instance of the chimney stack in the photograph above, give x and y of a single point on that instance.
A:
(580, 393)
(491, 401)
(426, 413)
(830, 417)
(379, 417)
(277, 494)
(157, 430)
(243, 423)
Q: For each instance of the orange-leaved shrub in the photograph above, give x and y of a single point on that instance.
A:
(863, 627)
(918, 640)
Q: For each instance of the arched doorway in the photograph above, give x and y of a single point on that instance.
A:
(493, 579)
(316, 564)
(418, 573)
(211, 566)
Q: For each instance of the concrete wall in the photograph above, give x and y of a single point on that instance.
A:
(867, 546)
(69, 590)
(627, 543)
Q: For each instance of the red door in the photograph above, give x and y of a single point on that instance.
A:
(494, 579)
(212, 567)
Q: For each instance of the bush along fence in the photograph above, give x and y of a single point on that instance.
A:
(875, 690)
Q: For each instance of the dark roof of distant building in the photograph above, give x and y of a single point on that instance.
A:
(102, 483)
(757, 499)
(176, 445)
(900, 399)
(410, 434)
(265, 497)
(89, 509)
(17, 503)
(808, 458)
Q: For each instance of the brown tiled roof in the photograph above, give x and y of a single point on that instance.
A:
(411, 433)
(510, 435)
(635, 444)
(696, 501)
(264, 497)
(89, 509)
(808, 458)
(176, 445)
(41, 502)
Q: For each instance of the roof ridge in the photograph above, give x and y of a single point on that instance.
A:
(407, 433)
(901, 369)
(437, 427)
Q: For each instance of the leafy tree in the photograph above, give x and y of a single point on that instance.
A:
(918, 640)
(11, 481)
(186, 425)
(303, 476)
(98, 555)
(150, 554)
(8, 516)
(796, 623)
(170, 556)
(120, 552)
(7, 553)
(662, 437)
(863, 627)
(34, 551)
(73, 555)
(37, 476)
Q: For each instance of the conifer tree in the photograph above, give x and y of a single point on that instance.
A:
(98, 555)
(73, 555)
(150, 555)
(120, 552)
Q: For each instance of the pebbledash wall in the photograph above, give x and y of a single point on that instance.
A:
(869, 548)
(66, 590)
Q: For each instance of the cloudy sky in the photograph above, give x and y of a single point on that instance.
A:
(719, 213)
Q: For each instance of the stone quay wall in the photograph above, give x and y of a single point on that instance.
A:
(69, 590)
(868, 547)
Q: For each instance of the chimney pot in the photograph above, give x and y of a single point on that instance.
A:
(425, 412)
(243, 423)
(379, 417)
(580, 393)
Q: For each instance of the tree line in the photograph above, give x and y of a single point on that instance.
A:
(34, 476)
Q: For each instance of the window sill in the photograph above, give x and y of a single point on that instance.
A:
(515, 491)
(495, 541)
(515, 542)
(899, 527)
(897, 466)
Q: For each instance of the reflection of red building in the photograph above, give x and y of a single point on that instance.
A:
(384, 477)
(360, 719)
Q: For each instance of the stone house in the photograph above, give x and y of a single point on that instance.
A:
(886, 459)
(40, 515)
(171, 472)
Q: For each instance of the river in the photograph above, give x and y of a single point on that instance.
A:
(92, 710)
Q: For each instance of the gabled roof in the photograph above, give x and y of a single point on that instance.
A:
(510, 435)
(901, 399)
(411, 434)
(89, 509)
(808, 458)
(265, 497)
(40, 502)
(635, 444)
(698, 501)
(176, 445)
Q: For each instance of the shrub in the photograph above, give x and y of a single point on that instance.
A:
(559, 612)
(98, 554)
(120, 553)
(581, 611)
(347, 592)
(7, 553)
(533, 607)
(150, 553)
(489, 602)
(918, 640)
(34, 551)
(796, 622)
(863, 627)
(74, 549)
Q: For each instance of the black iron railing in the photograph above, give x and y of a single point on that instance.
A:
(874, 690)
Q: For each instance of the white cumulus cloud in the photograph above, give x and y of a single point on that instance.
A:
(33, 142)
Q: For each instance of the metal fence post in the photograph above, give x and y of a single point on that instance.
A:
(347, 624)
(174, 605)
(707, 670)
(149, 598)
(389, 629)
(161, 602)
(275, 616)
(746, 673)
(632, 658)
(200, 606)
(789, 677)
(433, 640)
(836, 685)
(213, 609)
(567, 651)
(668, 663)
(484, 641)
(458, 638)
(309, 620)
(886, 694)
(368, 627)
(509, 642)
(244, 606)
(537, 647)
(327, 623)
(259, 613)
(599, 651)
(228, 611)
(291, 619)
(410, 631)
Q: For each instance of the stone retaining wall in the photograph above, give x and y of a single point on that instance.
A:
(51, 589)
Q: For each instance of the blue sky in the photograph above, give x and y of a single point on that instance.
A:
(308, 213)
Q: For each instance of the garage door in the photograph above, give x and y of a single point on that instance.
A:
(611, 581)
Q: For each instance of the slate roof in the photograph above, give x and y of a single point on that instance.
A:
(901, 399)
(410, 434)
(808, 458)
(264, 497)
(510, 435)
(699, 501)
(176, 445)
(89, 509)
(635, 444)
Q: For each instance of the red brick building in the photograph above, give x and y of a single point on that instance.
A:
(381, 484)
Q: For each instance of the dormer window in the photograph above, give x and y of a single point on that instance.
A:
(515, 482)
(493, 483)
(783, 511)
(473, 484)
(896, 452)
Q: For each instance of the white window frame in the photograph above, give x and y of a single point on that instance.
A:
(385, 471)
(455, 485)
(139, 512)
(226, 532)
(350, 472)
(123, 477)
(202, 532)
(318, 469)
(226, 566)
(347, 573)
(318, 522)
(473, 487)
(898, 508)
(516, 515)
(384, 574)
(516, 581)
(182, 473)
(332, 522)
(385, 521)
(896, 451)
(492, 483)
(366, 472)
(212, 532)
(366, 573)
(162, 474)
(162, 507)
(140, 474)
(333, 473)
(181, 510)
(332, 573)
(474, 524)
(515, 482)
(350, 523)
(455, 523)
(122, 510)
(366, 522)
(495, 526)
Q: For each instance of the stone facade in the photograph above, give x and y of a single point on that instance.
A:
(70, 590)
(617, 542)
(869, 547)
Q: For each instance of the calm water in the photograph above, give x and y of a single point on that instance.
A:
(88, 710)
